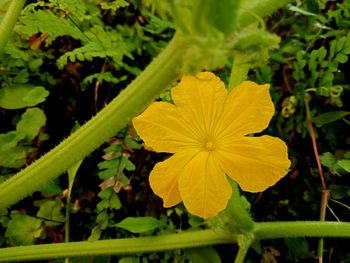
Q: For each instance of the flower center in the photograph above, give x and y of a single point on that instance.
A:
(210, 146)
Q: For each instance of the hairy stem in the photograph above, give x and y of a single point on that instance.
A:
(124, 246)
(272, 230)
(9, 21)
(158, 75)
(131, 101)
(198, 238)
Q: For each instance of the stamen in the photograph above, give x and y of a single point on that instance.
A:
(210, 146)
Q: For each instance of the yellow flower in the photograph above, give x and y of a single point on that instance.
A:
(205, 128)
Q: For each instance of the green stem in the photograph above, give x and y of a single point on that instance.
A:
(301, 229)
(244, 242)
(238, 212)
(131, 101)
(9, 21)
(198, 238)
(239, 70)
(124, 246)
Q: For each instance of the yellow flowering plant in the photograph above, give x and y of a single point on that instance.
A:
(206, 129)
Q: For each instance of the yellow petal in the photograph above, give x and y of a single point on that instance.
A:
(165, 175)
(255, 163)
(161, 127)
(248, 109)
(200, 100)
(204, 188)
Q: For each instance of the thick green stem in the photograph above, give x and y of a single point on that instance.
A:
(9, 21)
(131, 101)
(173, 241)
(301, 229)
(124, 246)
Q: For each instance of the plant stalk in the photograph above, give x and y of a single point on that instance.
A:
(127, 246)
(124, 246)
(116, 115)
(9, 21)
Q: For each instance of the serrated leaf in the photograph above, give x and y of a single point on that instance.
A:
(51, 211)
(106, 193)
(103, 204)
(31, 122)
(329, 117)
(341, 58)
(21, 96)
(140, 224)
(109, 164)
(126, 164)
(132, 143)
(32, 23)
(203, 254)
(23, 230)
(105, 174)
(115, 202)
(345, 164)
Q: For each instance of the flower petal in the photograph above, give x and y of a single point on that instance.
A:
(200, 100)
(255, 163)
(164, 177)
(248, 109)
(204, 188)
(161, 127)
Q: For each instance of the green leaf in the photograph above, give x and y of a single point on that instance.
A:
(51, 211)
(21, 96)
(51, 188)
(301, 11)
(95, 234)
(140, 224)
(23, 230)
(338, 191)
(298, 248)
(345, 164)
(328, 159)
(114, 5)
(32, 23)
(115, 201)
(341, 58)
(203, 254)
(329, 117)
(126, 164)
(105, 193)
(31, 122)
(132, 143)
(11, 155)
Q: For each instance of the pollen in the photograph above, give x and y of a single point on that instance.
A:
(210, 146)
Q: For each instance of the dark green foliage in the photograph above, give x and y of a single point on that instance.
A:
(68, 58)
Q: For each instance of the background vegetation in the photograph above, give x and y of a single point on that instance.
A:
(67, 59)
